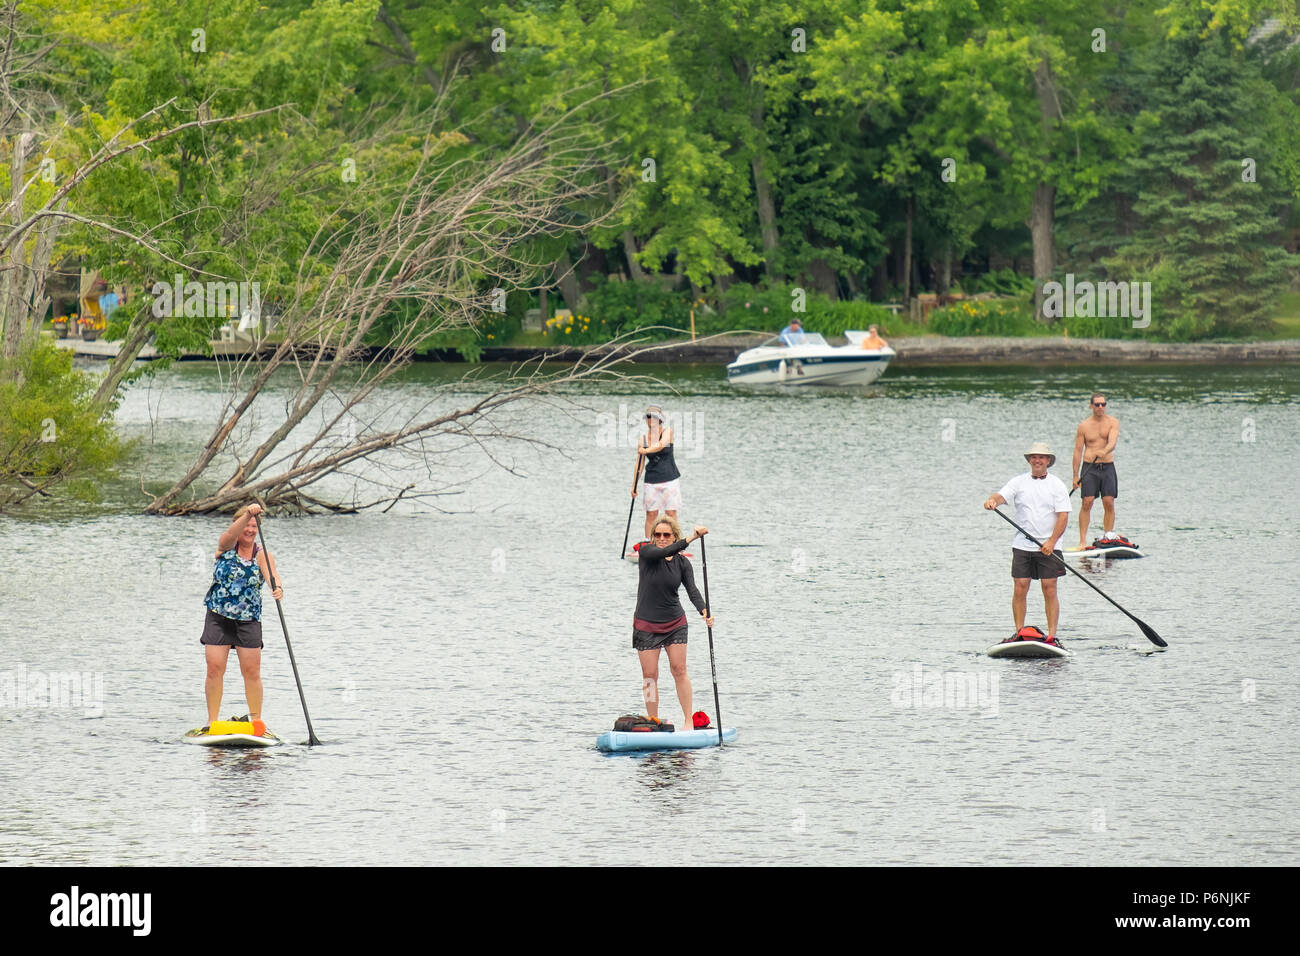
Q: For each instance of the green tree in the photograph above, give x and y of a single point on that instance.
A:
(1210, 188)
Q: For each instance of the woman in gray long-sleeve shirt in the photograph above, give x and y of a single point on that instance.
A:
(659, 621)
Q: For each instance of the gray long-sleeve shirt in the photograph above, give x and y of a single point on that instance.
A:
(656, 592)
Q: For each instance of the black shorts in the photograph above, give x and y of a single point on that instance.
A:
(1036, 565)
(1099, 479)
(223, 630)
(649, 641)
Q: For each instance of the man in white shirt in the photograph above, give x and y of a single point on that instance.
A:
(1042, 506)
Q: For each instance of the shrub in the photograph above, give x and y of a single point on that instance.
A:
(578, 330)
(988, 317)
(50, 429)
(749, 307)
(834, 318)
(618, 307)
(1000, 282)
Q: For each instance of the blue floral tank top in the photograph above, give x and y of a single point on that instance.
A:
(236, 591)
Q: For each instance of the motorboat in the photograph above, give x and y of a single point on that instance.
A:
(805, 358)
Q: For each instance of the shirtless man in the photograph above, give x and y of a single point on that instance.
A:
(873, 340)
(1094, 445)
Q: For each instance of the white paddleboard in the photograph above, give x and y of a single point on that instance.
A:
(1019, 648)
(1113, 551)
(197, 736)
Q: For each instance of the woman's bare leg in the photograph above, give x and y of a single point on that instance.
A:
(250, 663)
(650, 680)
(216, 656)
(677, 663)
(650, 517)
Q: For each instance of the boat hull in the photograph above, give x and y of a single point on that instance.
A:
(853, 368)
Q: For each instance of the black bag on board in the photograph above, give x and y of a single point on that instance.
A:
(639, 723)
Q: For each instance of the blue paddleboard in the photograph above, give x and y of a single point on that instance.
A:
(615, 741)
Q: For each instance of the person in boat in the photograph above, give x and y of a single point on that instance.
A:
(234, 611)
(663, 490)
(1094, 446)
(872, 340)
(1042, 506)
(659, 621)
(790, 334)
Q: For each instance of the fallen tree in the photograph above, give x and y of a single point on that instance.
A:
(401, 262)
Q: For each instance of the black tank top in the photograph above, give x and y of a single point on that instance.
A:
(659, 466)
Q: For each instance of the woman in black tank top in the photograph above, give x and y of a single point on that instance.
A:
(662, 488)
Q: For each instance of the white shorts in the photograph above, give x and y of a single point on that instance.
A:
(664, 497)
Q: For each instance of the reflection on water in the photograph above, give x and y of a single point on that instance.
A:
(663, 771)
(234, 761)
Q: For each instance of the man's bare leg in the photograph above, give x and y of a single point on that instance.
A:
(1051, 605)
(1018, 600)
(1085, 515)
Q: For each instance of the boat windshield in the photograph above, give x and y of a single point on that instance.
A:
(796, 338)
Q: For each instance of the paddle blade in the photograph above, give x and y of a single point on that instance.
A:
(1152, 636)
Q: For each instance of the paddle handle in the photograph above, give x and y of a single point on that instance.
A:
(311, 734)
(713, 667)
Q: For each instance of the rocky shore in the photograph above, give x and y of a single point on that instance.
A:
(919, 351)
(975, 350)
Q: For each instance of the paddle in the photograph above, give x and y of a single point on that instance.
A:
(1082, 471)
(1155, 638)
(636, 479)
(708, 607)
(311, 734)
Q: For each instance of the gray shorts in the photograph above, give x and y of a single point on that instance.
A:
(1035, 565)
(220, 630)
(1099, 480)
(650, 641)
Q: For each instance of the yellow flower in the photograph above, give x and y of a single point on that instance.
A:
(567, 331)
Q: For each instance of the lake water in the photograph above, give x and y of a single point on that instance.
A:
(460, 654)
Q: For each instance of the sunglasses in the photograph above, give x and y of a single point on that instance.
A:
(1098, 404)
(663, 534)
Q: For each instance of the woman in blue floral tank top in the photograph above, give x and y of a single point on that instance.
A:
(234, 617)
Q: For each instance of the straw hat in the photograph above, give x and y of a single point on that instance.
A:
(1040, 448)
